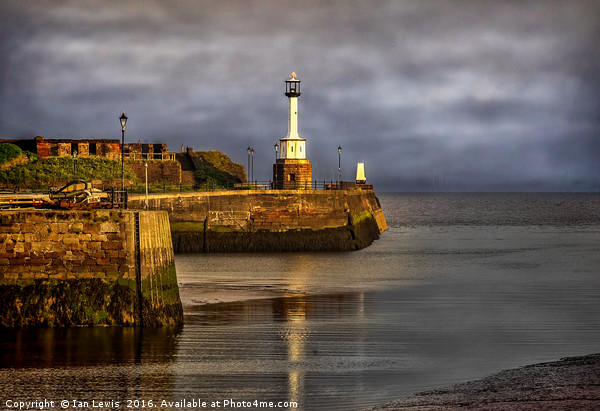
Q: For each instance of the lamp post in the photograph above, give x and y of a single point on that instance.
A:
(248, 169)
(74, 161)
(339, 166)
(146, 166)
(252, 154)
(123, 120)
(275, 176)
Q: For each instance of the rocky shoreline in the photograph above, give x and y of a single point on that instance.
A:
(568, 384)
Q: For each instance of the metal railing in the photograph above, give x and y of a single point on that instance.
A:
(288, 185)
(149, 156)
(118, 198)
(306, 185)
(258, 185)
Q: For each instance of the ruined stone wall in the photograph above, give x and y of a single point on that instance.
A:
(110, 150)
(158, 172)
(83, 149)
(133, 148)
(43, 147)
(61, 268)
(64, 147)
(270, 220)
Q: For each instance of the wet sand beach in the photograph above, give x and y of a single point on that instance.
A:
(569, 384)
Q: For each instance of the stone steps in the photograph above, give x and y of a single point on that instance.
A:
(185, 161)
(187, 169)
(188, 178)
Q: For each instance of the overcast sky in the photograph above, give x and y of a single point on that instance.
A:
(479, 95)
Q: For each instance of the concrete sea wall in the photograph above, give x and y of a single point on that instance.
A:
(270, 220)
(76, 268)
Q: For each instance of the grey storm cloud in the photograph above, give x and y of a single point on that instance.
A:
(482, 95)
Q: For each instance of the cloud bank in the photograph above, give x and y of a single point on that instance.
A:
(431, 95)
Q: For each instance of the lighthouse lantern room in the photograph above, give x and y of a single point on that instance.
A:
(292, 170)
(292, 86)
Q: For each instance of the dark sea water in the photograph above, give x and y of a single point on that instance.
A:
(459, 287)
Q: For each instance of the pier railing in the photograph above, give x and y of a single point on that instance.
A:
(119, 198)
(251, 185)
(149, 156)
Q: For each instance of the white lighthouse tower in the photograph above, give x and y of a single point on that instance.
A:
(292, 170)
(292, 146)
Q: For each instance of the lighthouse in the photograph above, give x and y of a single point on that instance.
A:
(292, 170)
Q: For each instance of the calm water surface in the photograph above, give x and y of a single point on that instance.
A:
(459, 287)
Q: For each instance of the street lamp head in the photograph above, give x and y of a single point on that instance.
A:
(252, 151)
(74, 153)
(339, 149)
(248, 150)
(123, 119)
(276, 147)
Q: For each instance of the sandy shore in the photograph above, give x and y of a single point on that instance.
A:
(569, 384)
(197, 295)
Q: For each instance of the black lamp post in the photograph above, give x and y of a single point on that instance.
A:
(248, 169)
(74, 161)
(252, 154)
(339, 166)
(146, 167)
(123, 120)
(276, 150)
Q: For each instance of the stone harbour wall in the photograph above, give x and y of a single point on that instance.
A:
(158, 171)
(64, 268)
(270, 220)
(158, 290)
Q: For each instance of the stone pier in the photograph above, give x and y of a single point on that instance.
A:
(270, 220)
(81, 268)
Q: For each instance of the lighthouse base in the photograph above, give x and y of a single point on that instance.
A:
(292, 174)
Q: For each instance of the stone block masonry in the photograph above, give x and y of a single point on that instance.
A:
(168, 172)
(158, 290)
(64, 268)
(270, 220)
(292, 174)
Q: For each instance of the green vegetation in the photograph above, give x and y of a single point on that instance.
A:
(24, 170)
(41, 173)
(74, 302)
(212, 176)
(361, 217)
(8, 152)
(215, 169)
(164, 187)
(188, 226)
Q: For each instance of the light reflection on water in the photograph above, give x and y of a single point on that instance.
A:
(424, 306)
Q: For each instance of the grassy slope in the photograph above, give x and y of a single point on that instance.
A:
(26, 170)
(39, 173)
(217, 168)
